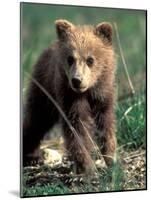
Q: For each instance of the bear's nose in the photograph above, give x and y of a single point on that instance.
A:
(76, 82)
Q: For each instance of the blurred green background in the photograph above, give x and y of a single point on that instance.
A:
(38, 31)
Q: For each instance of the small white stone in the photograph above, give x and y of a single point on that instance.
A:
(52, 157)
(100, 163)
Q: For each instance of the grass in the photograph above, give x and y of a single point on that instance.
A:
(131, 121)
(112, 181)
(129, 173)
(46, 190)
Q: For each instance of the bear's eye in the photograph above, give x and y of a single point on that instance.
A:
(89, 61)
(70, 60)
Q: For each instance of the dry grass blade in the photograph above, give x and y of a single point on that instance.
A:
(93, 143)
(123, 59)
(124, 145)
(135, 155)
(91, 140)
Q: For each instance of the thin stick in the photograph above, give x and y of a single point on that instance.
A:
(134, 156)
(123, 59)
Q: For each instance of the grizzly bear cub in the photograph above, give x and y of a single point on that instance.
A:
(78, 73)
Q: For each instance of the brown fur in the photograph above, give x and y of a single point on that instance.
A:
(91, 103)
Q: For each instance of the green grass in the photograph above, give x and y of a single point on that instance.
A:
(38, 32)
(46, 190)
(131, 121)
(108, 180)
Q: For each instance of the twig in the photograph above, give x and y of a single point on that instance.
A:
(134, 156)
(123, 59)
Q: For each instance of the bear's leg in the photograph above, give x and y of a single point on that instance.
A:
(105, 135)
(77, 141)
(39, 116)
(78, 148)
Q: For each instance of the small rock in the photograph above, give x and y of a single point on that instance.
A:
(100, 164)
(52, 157)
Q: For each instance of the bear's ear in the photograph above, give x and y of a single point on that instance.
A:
(63, 28)
(104, 30)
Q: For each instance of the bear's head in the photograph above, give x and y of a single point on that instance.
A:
(87, 53)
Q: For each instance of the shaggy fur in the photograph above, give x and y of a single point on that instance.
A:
(89, 108)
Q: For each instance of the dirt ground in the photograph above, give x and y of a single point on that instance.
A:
(57, 167)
